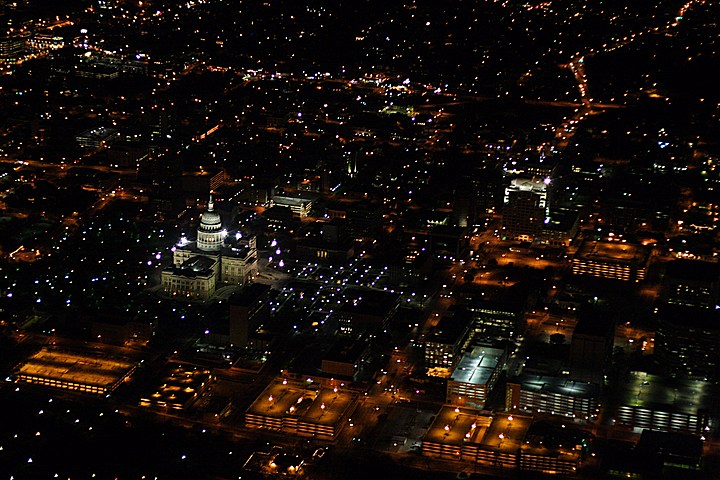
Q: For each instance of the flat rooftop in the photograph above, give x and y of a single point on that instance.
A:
(180, 384)
(693, 270)
(477, 367)
(324, 406)
(458, 425)
(558, 385)
(641, 389)
(612, 252)
(461, 425)
(74, 367)
(507, 432)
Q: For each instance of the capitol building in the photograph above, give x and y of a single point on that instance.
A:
(216, 257)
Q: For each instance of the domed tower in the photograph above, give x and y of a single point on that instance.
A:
(210, 231)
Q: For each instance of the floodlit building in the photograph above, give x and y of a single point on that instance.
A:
(526, 208)
(215, 257)
(553, 395)
(500, 441)
(302, 409)
(475, 376)
(180, 387)
(86, 372)
(300, 204)
(614, 260)
(666, 404)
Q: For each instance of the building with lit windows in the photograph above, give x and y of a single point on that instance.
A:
(526, 208)
(301, 204)
(691, 283)
(13, 46)
(666, 404)
(302, 409)
(474, 377)
(614, 260)
(215, 257)
(553, 395)
(503, 442)
(502, 319)
(85, 372)
(687, 341)
(447, 340)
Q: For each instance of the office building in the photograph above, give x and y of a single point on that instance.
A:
(592, 345)
(687, 341)
(447, 340)
(692, 283)
(248, 309)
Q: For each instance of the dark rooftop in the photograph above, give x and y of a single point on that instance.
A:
(249, 294)
(694, 270)
(594, 322)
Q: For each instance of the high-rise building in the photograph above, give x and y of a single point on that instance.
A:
(525, 210)
(247, 310)
(13, 46)
(687, 341)
(692, 283)
(591, 345)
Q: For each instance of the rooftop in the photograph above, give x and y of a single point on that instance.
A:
(323, 406)
(612, 252)
(249, 294)
(450, 328)
(82, 368)
(593, 322)
(477, 367)
(693, 270)
(462, 425)
(677, 395)
(457, 425)
(558, 385)
(180, 385)
(346, 350)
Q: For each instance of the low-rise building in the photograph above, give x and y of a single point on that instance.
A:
(85, 372)
(302, 409)
(553, 395)
(498, 442)
(614, 260)
(666, 404)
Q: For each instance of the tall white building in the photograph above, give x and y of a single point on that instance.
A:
(214, 258)
(537, 187)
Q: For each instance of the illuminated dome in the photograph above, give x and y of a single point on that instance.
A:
(210, 231)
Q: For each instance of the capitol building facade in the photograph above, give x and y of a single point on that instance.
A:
(215, 258)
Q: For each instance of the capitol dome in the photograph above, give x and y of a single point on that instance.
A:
(210, 231)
